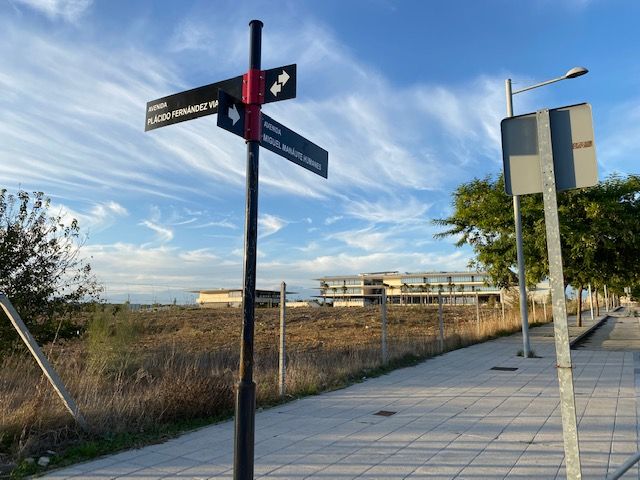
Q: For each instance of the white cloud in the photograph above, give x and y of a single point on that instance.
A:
(333, 219)
(69, 10)
(99, 216)
(270, 224)
(370, 239)
(391, 210)
(220, 223)
(163, 234)
(198, 256)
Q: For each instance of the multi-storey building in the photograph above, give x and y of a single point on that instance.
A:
(455, 288)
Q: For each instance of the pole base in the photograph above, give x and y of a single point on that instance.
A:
(245, 431)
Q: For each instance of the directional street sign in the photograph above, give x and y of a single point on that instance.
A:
(190, 104)
(231, 113)
(280, 83)
(275, 136)
(288, 144)
(238, 101)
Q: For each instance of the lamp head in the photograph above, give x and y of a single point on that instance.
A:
(576, 72)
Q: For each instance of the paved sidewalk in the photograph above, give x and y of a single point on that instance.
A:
(454, 417)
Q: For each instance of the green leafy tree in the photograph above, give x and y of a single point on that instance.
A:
(41, 271)
(599, 228)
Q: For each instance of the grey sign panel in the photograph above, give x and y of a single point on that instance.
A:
(280, 83)
(574, 153)
(288, 144)
(189, 104)
(231, 113)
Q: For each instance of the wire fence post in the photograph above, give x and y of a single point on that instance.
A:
(282, 367)
(440, 324)
(533, 307)
(383, 310)
(478, 314)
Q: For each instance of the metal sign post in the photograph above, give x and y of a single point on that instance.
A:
(246, 388)
(237, 102)
(560, 326)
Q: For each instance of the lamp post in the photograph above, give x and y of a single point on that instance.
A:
(573, 73)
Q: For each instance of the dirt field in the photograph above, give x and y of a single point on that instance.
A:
(140, 374)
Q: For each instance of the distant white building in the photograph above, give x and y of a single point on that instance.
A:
(225, 297)
(455, 288)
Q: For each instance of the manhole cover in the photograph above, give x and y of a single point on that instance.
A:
(385, 413)
(504, 369)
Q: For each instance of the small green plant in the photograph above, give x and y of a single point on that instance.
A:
(532, 354)
(110, 334)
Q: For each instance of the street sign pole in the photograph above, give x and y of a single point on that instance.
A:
(522, 279)
(243, 117)
(560, 327)
(246, 388)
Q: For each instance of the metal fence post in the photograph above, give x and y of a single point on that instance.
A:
(440, 323)
(282, 368)
(560, 327)
(383, 310)
(478, 314)
(47, 369)
(533, 308)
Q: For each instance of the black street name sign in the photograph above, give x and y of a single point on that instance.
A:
(280, 83)
(190, 104)
(288, 144)
(231, 113)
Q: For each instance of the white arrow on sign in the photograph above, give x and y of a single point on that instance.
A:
(233, 114)
(277, 86)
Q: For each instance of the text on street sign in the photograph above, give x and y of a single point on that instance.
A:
(288, 144)
(189, 104)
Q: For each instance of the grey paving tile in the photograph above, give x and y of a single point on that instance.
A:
(455, 418)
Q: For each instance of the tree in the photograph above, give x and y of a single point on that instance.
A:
(599, 229)
(40, 268)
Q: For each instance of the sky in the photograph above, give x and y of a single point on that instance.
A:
(406, 96)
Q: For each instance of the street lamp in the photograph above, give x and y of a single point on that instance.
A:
(573, 73)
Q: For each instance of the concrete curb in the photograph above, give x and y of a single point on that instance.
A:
(593, 327)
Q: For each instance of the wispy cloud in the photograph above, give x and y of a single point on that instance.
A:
(163, 234)
(97, 216)
(333, 219)
(219, 223)
(270, 224)
(69, 10)
(395, 209)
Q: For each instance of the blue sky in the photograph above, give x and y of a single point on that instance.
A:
(407, 97)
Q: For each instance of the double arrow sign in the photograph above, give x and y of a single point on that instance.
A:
(226, 98)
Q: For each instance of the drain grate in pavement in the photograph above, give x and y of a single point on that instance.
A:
(385, 413)
(504, 369)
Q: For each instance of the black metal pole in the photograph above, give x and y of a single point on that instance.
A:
(246, 388)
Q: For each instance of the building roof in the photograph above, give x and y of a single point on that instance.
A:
(399, 274)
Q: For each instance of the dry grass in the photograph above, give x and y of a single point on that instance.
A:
(134, 372)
